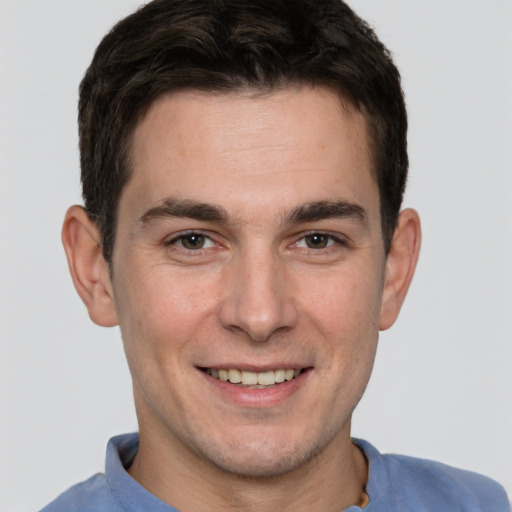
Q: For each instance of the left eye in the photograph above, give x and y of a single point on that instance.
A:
(316, 241)
(193, 241)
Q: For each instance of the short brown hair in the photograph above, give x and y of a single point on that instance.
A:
(222, 46)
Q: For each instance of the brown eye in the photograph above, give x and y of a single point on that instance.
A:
(317, 241)
(192, 241)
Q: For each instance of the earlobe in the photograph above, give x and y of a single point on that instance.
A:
(400, 266)
(87, 266)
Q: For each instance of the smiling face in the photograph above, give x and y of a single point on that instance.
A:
(249, 247)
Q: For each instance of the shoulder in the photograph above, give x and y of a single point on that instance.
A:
(93, 495)
(427, 485)
(436, 483)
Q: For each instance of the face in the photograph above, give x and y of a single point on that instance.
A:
(249, 247)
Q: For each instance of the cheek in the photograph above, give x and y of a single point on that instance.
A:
(159, 311)
(346, 301)
(345, 310)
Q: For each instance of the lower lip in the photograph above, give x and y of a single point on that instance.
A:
(258, 397)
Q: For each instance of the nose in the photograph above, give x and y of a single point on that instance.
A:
(258, 298)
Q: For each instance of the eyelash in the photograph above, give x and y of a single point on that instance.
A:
(177, 241)
(331, 240)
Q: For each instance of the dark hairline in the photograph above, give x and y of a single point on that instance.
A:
(251, 92)
(320, 43)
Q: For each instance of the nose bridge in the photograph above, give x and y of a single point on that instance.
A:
(257, 300)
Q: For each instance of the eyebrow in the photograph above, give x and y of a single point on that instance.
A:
(321, 210)
(309, 212)
(172, 207)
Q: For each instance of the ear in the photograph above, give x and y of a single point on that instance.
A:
(88, 268)
(400, 265)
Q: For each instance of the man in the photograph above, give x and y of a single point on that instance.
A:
(243, 166)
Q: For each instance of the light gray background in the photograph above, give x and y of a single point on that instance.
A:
(442, 383)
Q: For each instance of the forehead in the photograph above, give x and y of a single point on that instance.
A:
(229, 147)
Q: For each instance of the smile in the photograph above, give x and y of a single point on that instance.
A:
(260, 379)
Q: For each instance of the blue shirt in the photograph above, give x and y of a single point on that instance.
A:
(395, 484)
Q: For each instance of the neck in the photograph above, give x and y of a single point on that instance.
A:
(331, 481)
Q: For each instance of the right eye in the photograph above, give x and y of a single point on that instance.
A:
(316, 241)
(192, 241)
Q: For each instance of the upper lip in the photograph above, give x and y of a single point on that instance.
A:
(256, 368)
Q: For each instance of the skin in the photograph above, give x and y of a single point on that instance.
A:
(249, 237)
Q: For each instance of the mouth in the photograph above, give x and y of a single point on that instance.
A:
(255, 380)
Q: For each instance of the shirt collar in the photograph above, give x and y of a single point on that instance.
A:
(121, 451)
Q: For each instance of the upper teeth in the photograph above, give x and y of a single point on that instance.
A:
(252, 378)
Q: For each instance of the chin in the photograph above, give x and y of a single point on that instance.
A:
(265, 457)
